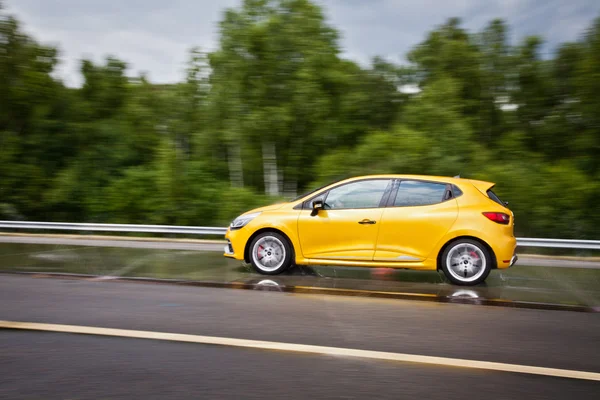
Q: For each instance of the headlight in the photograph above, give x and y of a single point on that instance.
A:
(242, 220)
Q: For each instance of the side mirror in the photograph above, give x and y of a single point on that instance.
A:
(316, 206)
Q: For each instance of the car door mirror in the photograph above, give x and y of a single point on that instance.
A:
(316, 206)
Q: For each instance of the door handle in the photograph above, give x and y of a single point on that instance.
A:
(366, 222)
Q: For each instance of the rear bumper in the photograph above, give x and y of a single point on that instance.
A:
(505, 251)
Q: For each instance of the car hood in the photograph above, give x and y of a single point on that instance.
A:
(272, 207)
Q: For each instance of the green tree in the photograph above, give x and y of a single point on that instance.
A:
(278, 84)
(275, 109)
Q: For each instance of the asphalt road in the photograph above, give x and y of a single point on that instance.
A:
(59, 365)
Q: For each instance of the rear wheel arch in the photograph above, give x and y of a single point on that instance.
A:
(262, 230)
(482, 242)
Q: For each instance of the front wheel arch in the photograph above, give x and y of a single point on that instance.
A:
(482, 242)
(258, 232)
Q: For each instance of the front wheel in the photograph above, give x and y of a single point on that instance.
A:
(271, 253)
(466, 262)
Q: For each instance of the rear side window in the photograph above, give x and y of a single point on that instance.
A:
(495, 197)
(416, 193)
(456, 191)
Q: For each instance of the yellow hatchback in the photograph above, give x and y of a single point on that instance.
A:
(393, 221)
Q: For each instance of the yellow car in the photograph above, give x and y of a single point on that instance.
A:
(393, 221)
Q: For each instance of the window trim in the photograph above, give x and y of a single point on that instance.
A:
(392, 197)
(382, 202)
(448, 194)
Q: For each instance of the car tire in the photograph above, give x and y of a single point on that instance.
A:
(270, 253)
(466, 262)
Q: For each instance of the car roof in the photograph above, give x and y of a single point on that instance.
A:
(445, 179)
(482, 186)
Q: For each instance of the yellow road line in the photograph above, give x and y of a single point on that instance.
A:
(303, 348)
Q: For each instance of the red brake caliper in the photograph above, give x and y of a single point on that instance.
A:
(258, 252)
(474, 255)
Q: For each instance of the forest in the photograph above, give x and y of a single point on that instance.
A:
(277, 110)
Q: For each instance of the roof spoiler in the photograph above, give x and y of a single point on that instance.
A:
(482, 186)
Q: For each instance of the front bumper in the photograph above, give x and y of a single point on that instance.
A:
(236, 242)
(228, 250)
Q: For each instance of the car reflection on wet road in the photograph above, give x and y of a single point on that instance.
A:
(526, 284)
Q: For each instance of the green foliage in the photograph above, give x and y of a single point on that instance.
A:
(275, 110)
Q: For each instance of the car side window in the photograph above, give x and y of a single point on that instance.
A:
(361, 194)
(417, 193)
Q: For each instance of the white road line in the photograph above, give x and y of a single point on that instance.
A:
(303, 348)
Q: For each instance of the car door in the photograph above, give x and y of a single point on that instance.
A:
(418, 216)
(346, 228)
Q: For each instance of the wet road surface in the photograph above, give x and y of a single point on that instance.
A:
(60, 365)
(217, 246)
(525, 285)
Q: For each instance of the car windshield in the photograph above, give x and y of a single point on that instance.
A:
(314, 190)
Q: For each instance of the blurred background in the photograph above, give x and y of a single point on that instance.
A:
(278, 105)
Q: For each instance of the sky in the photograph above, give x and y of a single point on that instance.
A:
(155, 36)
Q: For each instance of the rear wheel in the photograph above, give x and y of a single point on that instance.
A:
(270, 253)
(466, 262)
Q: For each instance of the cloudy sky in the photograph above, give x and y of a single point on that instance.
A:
(154, 35)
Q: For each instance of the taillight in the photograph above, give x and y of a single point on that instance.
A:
(498, 217)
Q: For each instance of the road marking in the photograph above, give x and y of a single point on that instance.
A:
(303, 348)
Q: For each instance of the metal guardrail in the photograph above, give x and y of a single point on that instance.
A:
(206, 230)
(70, 226)
(559, 243)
